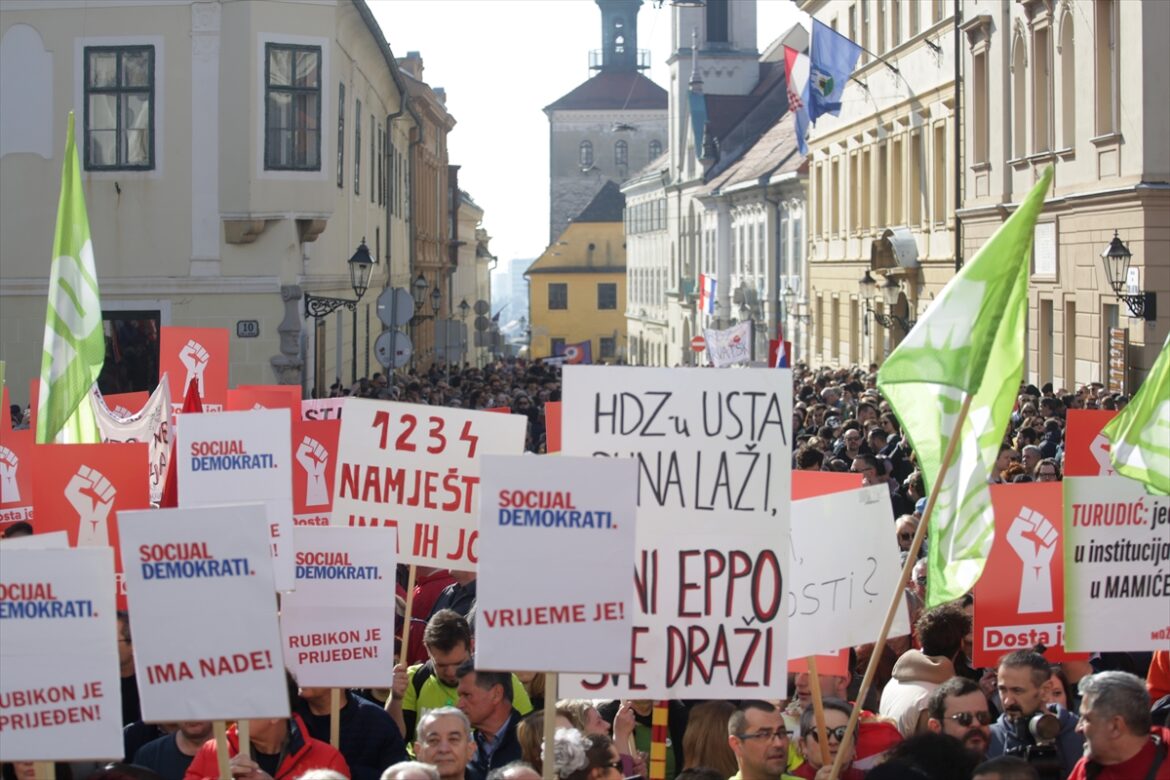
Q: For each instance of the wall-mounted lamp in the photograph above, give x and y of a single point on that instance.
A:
(891, 290)
(1116, 258)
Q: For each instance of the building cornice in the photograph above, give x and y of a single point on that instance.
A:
(148, 287)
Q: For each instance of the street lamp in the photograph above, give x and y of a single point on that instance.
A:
(891, 290)
(318, 306)
(1116, 258)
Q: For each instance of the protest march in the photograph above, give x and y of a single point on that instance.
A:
(924, 569)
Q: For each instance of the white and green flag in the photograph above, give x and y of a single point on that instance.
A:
(1140, 436)
(74, 346)
(969, 342)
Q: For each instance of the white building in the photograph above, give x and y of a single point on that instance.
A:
(1082, 86)
(234, 155)
(471, 282)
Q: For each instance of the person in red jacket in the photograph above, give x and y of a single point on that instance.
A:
(1120, 741)
(281, 748)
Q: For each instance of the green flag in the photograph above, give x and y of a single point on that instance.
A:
(1140, 436)
(969, 342)
(74, 346)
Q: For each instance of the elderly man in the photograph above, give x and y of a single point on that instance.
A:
(758, 737)
(444, 742)
(959, 708)
(1120, 740)
(486, 699)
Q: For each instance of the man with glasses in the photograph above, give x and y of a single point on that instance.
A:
(758, 737)
(959, 708)
(1047, 470)
(836, 721)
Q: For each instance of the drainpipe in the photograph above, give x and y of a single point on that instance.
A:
(958, 138)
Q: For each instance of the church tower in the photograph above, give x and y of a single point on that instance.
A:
(619, 35)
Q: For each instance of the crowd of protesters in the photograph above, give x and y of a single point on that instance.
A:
(930, 713)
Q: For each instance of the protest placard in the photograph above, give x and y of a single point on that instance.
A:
(322, 408)
(202, 354)
(1116, 565)
(569, 525)
(416, 468)
(249, 397)
(208, 571)
(1086, 450)
(126, 404)
(82, 488)
(16, 488)
(711, 567)
(150, 422)
(60, 688)
(242, 457)
(838, 593)
(552, 426)
(314, 444)
(731, 346)
(54, 540)
(337, 626)
(1019, 600)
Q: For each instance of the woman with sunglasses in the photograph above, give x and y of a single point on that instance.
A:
(836, 722)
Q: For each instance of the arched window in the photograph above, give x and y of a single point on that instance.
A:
(655, 149)
(621, 153)
(585, 154)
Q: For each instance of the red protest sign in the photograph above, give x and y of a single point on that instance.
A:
(80, 488)
(249, 397)
(810, 484)
(1019, 600)
(314, 449)
(16, 481)
(1086, 450)
(552, 426)
(202, 354)
(827, 665)
(126, 404)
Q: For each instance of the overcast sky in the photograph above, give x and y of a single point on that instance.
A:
(501, 62)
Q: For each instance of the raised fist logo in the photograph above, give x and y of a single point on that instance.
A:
(1099, 449)
(194, 358)
(1033, 538)
(9, 463)
(92, 496)
(313, 457)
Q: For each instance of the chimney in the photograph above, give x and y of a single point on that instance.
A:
(412, 63)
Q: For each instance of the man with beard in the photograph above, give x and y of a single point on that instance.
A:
(1023, 676)
(959, 707)
(758, 737)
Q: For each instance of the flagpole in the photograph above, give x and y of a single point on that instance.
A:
(899, 596)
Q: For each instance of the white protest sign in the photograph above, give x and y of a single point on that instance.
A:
(207, 571)
(53, 540)
(1116, 561)
(568, 524)
(240, 458)
(337, 627)
(322, 408)
(731, 346)
(845, 568)
(151, 424)
(60, 690)
(714, 487)
(416, 468)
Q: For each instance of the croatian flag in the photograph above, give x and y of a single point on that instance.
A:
(781, 348)
(796, 65)
(707, 293)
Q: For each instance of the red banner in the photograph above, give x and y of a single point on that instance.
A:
(196, 353)
(249, 397)
(552, 426)
(16, 477)
(314, 450)
(1086, 450)
(80, 488)
(1019, 600)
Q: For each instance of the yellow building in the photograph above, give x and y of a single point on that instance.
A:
(577, 288)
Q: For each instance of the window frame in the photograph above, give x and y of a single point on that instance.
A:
(610, 288)
(563, 300)
(585, 157)
(119, 91)
(319, 91)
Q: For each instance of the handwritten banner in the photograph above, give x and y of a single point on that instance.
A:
(1019, 600)
(150, 422)
(1116, 565)
(314, 453)
(337, 626)
(731, 346)
(212, 567)
(416, 468)
(202, 354)
(60, 690)
(839, 593)
(568, 524)
(242, 457)
(16, 482)
(711, 568)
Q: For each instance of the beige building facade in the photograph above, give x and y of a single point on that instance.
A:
(234, 156)
(1080, 85)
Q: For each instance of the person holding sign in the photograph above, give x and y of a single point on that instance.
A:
(280, 748)
(369, 738)
(171, 755)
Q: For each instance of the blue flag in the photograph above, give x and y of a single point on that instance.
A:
(832, 59)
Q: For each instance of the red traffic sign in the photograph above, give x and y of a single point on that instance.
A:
(698, 343)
